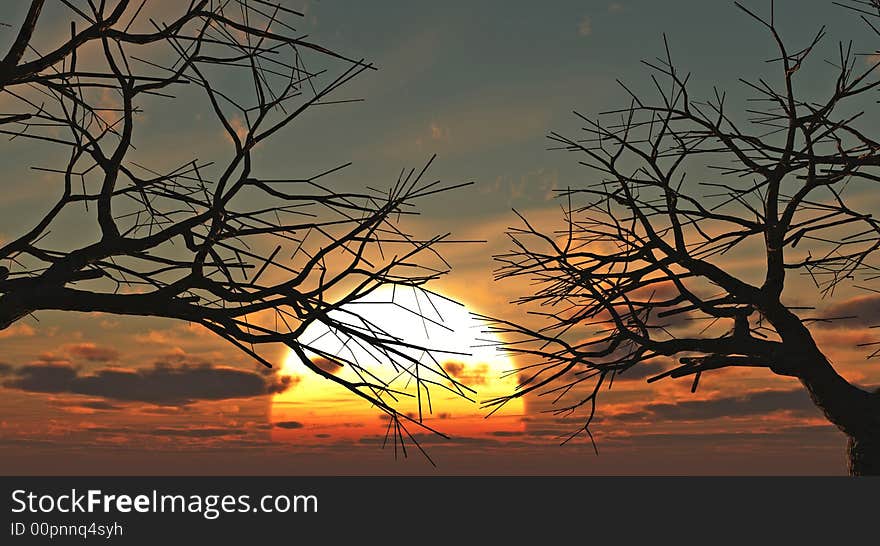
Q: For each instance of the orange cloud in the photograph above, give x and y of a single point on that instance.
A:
(18, 330)
(92, 352)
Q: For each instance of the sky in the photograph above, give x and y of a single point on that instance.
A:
(480, 84)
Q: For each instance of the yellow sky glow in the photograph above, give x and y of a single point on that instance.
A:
(316, 409)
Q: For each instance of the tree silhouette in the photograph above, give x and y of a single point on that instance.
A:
(255, 260)
(642, 269)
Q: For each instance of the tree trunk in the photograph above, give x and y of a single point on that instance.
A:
(853, 410)
(856, 412)
(864, 454)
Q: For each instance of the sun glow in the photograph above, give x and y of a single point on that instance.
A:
(318, 410)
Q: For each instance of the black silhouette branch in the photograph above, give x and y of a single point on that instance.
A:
(645, 266)
(255, 260)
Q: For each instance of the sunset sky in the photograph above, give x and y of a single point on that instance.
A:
(480, 84)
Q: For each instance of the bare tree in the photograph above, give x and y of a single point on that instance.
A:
(255, 260)
(642, 269)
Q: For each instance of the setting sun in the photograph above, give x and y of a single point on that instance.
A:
(318, 410)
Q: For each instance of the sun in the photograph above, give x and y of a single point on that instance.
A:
(316, 410)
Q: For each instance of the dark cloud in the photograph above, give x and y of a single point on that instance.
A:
(195, 432)
(756, 403)
(161, 384)
(5, 369)
(506, 433)
(469, 375)
(92, 352)
(289, 424)
(44, 378)
(327, 365)
(865, 309)
(545, 432)
(100, 405)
